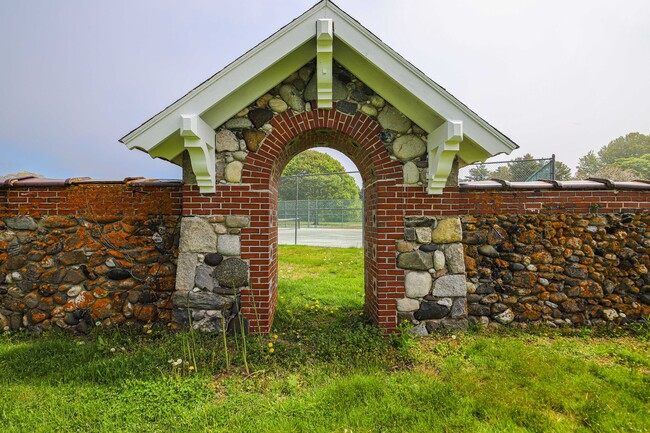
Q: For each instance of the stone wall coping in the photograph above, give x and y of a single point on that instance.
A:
(589, 184)
(31, 181)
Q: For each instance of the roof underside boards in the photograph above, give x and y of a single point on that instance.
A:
(357, 49)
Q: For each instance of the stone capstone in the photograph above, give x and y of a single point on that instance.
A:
(197, 236)
(231, 273)
(431, 310)
(391, 118)
(407, 147)
(448, 231)
(229, 245)
(449, 285)
(417, 284)
(226, 141)
(233, 171)
(415, 260)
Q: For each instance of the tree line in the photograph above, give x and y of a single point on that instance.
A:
(623, 159)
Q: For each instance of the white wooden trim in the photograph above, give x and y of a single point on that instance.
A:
(442, 146)
(199, 141)
(324, 49)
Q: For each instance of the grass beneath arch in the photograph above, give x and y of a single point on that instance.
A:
(329, 371)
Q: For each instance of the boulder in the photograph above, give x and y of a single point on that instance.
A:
(391, 118)
(407, 147)
(417, 284)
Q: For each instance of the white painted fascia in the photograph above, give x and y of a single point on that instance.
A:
(417, 83)
(228, 80)
(442, 146)
(279, 46)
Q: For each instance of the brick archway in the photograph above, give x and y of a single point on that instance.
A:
(357, 137)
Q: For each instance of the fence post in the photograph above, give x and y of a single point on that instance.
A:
(295, 222)
(553, 166)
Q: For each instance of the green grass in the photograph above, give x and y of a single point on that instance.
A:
(330, 371)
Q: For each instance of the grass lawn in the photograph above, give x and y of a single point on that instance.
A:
(325, 369)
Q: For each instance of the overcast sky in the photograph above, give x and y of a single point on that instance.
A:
(556, 76)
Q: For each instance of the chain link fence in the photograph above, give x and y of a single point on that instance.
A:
(518, 170)
(320, 209)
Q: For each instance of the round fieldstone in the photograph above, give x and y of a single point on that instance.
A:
(292, 97)
(431, 310)
(438, 260)
(213, 259)
(278, 105)
(417, 284)
(505, 317)
(260, 116)
(377, 101)
(415, 260)
(428, 248)
(253, 138)
(238, 123)
(411, 173)
(231, 273)
(339, 90)
(226, 141)
(118, 274)
(407, 304)
(346, 107)
(369, 110)
(407, 147)
(233, 172)
(392, 118)
(488, 251)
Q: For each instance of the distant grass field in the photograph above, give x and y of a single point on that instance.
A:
(325, 368)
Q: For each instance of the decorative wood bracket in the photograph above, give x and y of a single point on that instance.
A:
(324, 54)
(442, 146)
(199, 141)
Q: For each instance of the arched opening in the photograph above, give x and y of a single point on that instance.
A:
(320, 245)
(357, 137)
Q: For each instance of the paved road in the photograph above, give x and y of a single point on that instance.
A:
(342, 238)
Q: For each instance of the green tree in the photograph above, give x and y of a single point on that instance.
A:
(589, 165)
(630, 146)
(522, 168)
(640, 165)
(624, 157)
(502, 173)
(562, 171)
(477, 173)
(340, 186)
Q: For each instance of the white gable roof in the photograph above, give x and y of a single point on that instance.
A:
(357, 49)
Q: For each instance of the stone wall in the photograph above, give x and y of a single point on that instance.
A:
(435, 287)
(108, 255)
(558, 269)
(211, 274)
